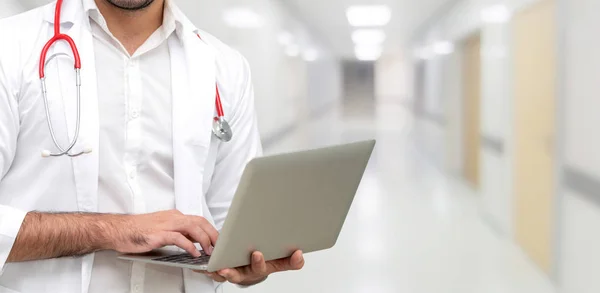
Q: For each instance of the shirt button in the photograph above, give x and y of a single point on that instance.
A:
(137, 288)
(135, 114)
(132, 174)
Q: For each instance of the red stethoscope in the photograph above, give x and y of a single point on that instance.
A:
(221, 128)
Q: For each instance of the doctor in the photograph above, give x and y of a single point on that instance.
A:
(151, 172)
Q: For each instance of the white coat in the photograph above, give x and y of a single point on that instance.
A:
(207, 171)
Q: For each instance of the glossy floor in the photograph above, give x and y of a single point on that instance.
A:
(411, 228)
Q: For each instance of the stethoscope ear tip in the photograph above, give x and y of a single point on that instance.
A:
(46, 154)
(87, 150)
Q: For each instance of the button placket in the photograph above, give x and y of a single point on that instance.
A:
(134, 133)
(134, 114)
(131, 160)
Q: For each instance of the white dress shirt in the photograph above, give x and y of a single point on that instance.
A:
(136, 147)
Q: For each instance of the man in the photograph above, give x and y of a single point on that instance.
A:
(155, 177)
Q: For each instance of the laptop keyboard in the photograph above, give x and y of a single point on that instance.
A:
(185, 258)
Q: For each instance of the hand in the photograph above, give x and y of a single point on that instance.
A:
(143, 233)
(259, 270)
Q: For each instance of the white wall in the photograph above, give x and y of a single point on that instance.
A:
(430, 124)
(434, 97)
(324, 85)
(463, 20)
(578, 207)
(496, 124)
(285, 86)
(580, 233)
(392, 78)
(452, 89)
(580, 242)
(444, 139)
(456, 25)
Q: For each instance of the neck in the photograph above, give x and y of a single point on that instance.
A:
(132, 27)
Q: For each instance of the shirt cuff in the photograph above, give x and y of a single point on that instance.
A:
(11, 220)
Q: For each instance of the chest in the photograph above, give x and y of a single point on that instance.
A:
(135, 101)
(181, 91)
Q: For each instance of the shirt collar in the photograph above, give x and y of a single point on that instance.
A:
(172, 21)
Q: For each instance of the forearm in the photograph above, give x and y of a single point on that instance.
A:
(46, 236)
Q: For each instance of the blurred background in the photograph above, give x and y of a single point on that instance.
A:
(485, 177)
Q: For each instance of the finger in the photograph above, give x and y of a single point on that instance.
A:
(259, 266)
(199, 236)
(217, 278)
(232, 275)
(297, 261)
(192, 226)
(209, 229)
(177, 239)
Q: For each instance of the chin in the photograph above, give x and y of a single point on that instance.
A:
(130, 4)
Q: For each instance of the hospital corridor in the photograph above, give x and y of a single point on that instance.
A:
(485, 176)
(412, 228)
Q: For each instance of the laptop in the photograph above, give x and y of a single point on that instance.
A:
(284, 203)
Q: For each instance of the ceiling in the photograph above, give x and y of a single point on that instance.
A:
(327, 19)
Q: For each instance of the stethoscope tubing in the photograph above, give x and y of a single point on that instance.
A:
(43, 61)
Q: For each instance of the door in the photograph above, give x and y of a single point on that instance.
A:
(359, 89)
(419, 83)
(535, 77)
(472, 98)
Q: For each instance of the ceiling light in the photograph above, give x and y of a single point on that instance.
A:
(443, 48)
(496, 14)
(241, 17)
(292, 50)
(368, 37)
(310, 55)
(368, 15)
(367, 53)
(285, 38)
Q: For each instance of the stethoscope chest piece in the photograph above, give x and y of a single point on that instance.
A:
(222, 130)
